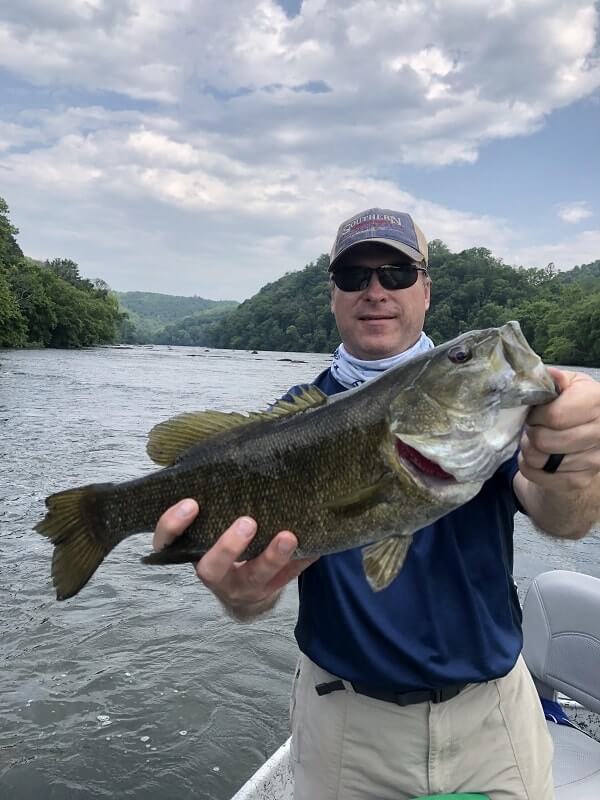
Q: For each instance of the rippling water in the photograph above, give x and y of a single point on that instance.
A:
(141, 687)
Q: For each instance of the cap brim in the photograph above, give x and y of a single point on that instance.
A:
(409, 251)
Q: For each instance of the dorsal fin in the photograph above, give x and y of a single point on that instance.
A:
(170, 439)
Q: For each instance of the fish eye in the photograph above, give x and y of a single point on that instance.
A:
(460, 354)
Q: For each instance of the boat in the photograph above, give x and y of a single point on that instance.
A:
(561, 631)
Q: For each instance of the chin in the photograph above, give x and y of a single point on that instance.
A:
(376, 351)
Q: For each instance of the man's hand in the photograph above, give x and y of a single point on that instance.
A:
(245, 588)
(566, 502)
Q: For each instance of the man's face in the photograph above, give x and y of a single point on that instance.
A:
(376, 322)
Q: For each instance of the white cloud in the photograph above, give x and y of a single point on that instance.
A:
(574, 212)
(212, 135)
(580, 249)
(376, 57)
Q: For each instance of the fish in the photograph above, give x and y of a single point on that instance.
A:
(364, 468)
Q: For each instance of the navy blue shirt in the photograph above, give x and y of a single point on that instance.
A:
(451, 616)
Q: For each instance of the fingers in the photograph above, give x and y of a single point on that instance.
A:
(576, 470)
(577, 404)
(563, 480)
(261, 571)
(174, 522)
(217, 563)
(538, 442)
(250, 579)
(246, 584)
(289, 572)
(237, 584)
(569, 425)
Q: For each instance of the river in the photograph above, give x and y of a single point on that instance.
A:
(141, 687)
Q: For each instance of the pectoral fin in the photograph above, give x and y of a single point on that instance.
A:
(382, 561)
(364, 498)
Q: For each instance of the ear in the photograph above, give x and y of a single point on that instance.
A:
(427, 290)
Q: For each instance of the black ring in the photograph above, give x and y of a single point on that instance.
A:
(553, 463)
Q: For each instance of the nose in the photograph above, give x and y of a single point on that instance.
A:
(374, 289)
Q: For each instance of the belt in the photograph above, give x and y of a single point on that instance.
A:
(399, 698)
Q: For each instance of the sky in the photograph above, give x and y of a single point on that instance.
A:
(206, 148)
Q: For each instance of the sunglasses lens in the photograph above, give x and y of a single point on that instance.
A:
(397, 277)
(355, 279)
(352, 279)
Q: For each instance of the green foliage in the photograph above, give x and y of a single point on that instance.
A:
(68, 271)
(586, 275)
(83, 317)
(49, 304)
(13, 327)
(195, 329)
(10, 252)
(166, 308)
(471, 290)
(28, 284)
(159, 318)
(289, 314)
(558, 311)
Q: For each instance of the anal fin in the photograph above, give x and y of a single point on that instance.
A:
(383, 560)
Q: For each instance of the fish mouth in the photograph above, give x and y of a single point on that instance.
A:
(424, 466)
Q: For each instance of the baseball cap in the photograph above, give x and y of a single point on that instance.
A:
(393, 228)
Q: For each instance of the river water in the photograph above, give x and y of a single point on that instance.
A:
(141, 687)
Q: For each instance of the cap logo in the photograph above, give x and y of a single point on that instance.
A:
(374, 219)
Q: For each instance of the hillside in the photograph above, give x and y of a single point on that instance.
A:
(559, 311)
(151, 312)
(49, 303)
(291, 313)
(195, 330)
(586, 275)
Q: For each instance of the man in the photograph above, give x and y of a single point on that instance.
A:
(419, 688)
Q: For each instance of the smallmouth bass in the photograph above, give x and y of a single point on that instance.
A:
(367, 467)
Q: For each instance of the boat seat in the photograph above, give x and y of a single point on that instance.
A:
(561, 629)
(576, 764)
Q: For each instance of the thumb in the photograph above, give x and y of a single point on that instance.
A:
(562, 379)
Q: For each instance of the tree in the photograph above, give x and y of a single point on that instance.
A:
(13, 327)
(10, 252)
(68, 271)
(36, 305)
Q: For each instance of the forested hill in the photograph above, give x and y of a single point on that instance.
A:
(49, 304)
(291, 313)
(559, 311)
(166, 308)
(150, 313)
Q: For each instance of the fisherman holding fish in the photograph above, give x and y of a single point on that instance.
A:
(420, 688)
(410, 679)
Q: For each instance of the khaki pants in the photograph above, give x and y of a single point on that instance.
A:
(492, 738)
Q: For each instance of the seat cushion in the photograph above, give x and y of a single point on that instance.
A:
(576, 764)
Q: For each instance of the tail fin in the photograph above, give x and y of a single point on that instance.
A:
(74, 526)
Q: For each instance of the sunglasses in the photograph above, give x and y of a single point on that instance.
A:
(355, 279)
